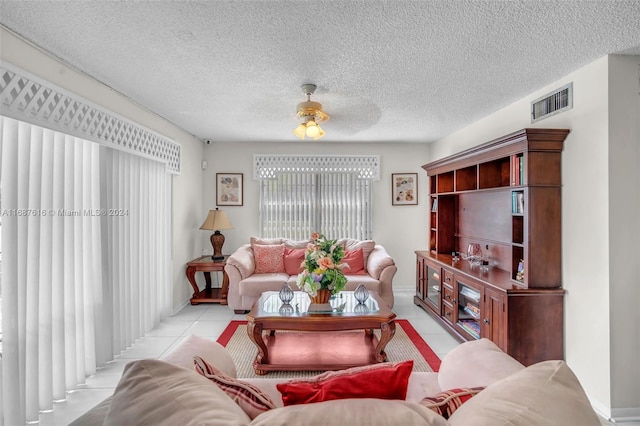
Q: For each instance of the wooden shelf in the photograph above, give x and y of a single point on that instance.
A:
(506, 195)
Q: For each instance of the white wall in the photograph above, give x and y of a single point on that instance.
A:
(187, 188)
(596, 332)
(401, 229)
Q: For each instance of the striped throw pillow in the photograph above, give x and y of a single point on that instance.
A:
(445, 403)
(249, 397)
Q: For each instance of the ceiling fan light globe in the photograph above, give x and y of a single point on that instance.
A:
(313, 130)
(300, 130)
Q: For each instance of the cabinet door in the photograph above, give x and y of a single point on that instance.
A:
(494, 318)
(433, 285)
(421, 277)
(469, 308)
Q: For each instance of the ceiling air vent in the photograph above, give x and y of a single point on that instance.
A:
(552, 103)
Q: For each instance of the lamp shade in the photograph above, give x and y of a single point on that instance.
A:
(216, 220)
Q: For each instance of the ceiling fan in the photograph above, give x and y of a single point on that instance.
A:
(311, 114)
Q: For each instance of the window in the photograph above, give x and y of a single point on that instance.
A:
(300, 195)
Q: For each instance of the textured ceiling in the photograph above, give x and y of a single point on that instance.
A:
(410, 71)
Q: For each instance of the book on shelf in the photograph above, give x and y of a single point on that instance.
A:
(434, 206)
(517, 170)
(471, 294)
(470, 326)
(517, 202)
(473, 311)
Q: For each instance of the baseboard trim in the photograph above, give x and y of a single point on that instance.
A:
(616, 415)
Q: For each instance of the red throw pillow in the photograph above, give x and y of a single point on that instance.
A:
(293, 259)
(384, 381)
(355, 260)
(445, 403)
(268, 258)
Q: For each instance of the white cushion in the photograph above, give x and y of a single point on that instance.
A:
(257, 284)
(154, 392)
(352, 412)
(209, 350)
(475, 363)
(544, 394)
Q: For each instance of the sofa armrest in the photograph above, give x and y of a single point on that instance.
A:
(378, 260)
(242, 260)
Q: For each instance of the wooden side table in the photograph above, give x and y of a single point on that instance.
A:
(206, 265)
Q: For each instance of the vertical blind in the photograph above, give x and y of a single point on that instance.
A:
(295, 204)
(85, 261)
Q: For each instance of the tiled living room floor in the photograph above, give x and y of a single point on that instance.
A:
(209, 320)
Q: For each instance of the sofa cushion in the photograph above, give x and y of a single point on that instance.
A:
(367, 246)
(265, 241)
(293, 260)
(385, 381)
(475, 363)
(546, 393)
(268, 258)
(249, 397)
(352, 412)
(296, 244)
(447, 402)
(422, 384)
(256, 284)
(370, 283)
(355, 261)
(209, 350)
(154, 392)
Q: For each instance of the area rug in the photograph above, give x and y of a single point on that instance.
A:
(406, 344)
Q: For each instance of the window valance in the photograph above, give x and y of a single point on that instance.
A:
(28, 98)
(366, 166)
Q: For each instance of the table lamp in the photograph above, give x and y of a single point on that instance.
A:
(215, 221)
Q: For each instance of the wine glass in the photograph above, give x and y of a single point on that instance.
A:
(474, 254)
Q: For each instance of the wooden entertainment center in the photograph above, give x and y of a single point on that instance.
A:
(505, 195)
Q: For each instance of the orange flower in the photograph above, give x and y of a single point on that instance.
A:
(325, 263)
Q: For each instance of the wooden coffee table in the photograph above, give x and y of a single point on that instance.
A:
(339, 337)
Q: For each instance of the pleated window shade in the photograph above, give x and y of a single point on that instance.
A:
(86, 261)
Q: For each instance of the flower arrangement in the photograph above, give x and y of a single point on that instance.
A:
(323, 270)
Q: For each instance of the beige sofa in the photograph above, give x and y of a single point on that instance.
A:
(170, 392)
(246, 286)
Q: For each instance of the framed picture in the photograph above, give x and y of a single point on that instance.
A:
(404, 189)
(229, 189)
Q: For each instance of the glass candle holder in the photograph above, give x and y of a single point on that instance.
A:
(286, 294)
(286, 309)
(361, 293)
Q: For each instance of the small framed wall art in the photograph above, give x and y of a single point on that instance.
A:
(229, 189)
(404, 189)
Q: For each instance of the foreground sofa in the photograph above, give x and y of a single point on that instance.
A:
(266, 264)
(170, 392)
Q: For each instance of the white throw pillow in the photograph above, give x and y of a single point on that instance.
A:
(209, 350)
(154, 392)
(475, 363)
(543, 394)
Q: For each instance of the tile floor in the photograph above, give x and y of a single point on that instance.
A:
(209, 320)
